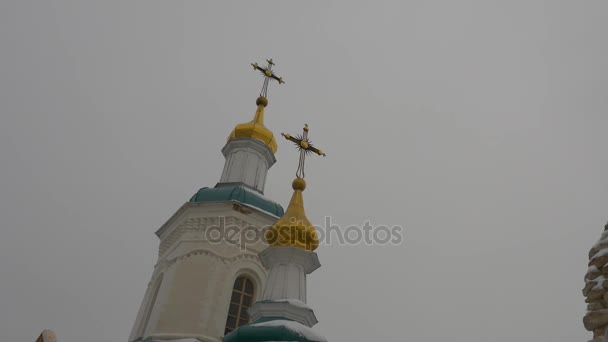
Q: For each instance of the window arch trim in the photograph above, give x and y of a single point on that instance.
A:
(242, 297)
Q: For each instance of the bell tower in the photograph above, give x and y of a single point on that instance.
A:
(204, 281)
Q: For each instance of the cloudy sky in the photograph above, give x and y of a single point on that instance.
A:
(478, 126)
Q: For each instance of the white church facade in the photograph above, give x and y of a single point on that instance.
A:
(190, 291)
(204, 285)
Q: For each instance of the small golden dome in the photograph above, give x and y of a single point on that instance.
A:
(255, 128)
(294, 229)
(261, 101)
(299, 184)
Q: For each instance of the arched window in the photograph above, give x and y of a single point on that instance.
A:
(241, 300)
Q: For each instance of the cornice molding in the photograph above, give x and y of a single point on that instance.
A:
(166, 263)
(197, 225)
(226, 206)
(286, 309)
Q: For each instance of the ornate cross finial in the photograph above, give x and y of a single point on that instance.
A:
(268, 74)
(305, 146)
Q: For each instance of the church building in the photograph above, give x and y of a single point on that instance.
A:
(206, 287)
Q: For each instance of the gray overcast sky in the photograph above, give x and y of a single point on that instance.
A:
(479, 126)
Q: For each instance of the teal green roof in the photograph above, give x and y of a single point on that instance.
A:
(239, 194)
(284, 331)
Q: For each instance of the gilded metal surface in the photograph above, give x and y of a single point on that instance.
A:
(293, 228)
(305, 146)
(255, 128)
(268, 74)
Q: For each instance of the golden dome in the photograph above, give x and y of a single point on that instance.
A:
(255, 128)
(294, 229)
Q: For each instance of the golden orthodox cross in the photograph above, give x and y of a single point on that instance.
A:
(305, 146)
(268, 74)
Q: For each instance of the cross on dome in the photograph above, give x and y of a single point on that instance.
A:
(268, 74)
(305, 146)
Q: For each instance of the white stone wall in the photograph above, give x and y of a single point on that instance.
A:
(197, 276)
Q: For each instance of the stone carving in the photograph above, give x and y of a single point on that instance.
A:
(195, 228)
(596, 289)
(163, 265)
(47, 336)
